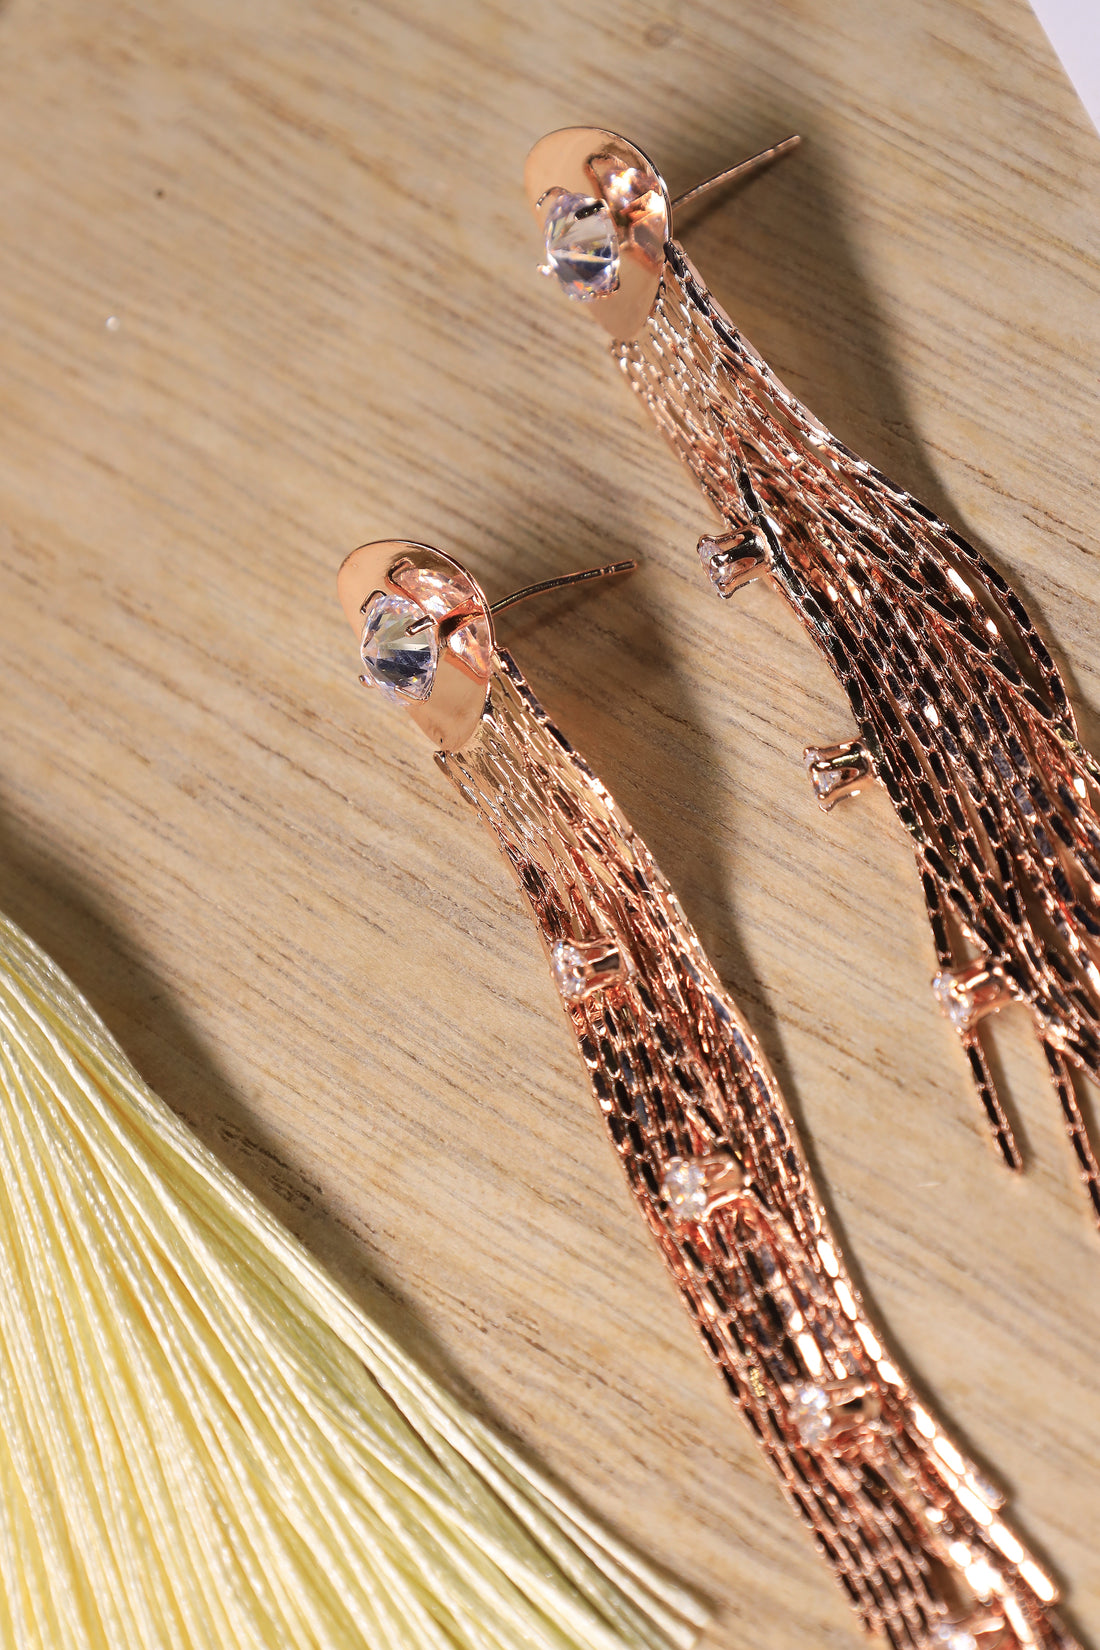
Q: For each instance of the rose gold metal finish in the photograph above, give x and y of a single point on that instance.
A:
(837, 771)
(734, 559)
(540, 589)
(737, 174)
(720, 1181)
(455, 603)
(587, 161)
(581, 967)
(852, 1408)
(968, 994)
(906, 1522)
(960, 707)
(544, 585)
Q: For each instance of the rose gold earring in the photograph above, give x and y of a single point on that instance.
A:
(962, 715)
(910, 1527)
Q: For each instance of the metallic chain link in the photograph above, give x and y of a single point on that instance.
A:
(962, 713)
(906, 1522)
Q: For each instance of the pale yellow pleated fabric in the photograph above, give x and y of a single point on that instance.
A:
(204, 1444)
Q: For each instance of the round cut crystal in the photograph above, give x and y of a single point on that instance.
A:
(582, 247)
(946, 1635)
(810, 1412)
(685, 1189)
(395, 658)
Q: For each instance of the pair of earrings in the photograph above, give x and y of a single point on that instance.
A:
(962, 718)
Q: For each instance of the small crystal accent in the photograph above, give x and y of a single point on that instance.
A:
(827, 780)
(734, 559)
(945, 1635)
(685, 1188)
(967, 994)
(580, 968)
(956, 1003)
(582, 246)
(567, 965)
(401, 664)
(837, 770)
(989, 1493)
(811, 1413)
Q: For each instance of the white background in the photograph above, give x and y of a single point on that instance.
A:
(1074, 30)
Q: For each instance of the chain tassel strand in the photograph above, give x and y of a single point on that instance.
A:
(962, 713)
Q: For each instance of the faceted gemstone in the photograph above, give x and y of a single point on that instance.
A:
(401, 663)
(472, 643)
(945, 1635)
(622, 184)
(827, 781)
(567, 966)
(810, 1412)
(438, 593)
(955, 1003)
(837, 770)
(583, 967)
(581, 246)
(685, 1188)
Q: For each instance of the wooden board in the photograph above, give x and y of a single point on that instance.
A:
(307, 224)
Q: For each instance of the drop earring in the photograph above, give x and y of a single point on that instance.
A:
(908, 1525)
(963, 717)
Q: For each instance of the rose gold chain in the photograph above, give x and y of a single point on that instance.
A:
(907, 1524)
(963, 716)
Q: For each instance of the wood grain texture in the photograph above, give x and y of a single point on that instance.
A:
(308, 223)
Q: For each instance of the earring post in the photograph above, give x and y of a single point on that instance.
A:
(609, 572)
(612, 570)
(743, 169)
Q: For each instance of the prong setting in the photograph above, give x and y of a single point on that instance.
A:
(968, 994)
(735, 559)
(832, 1410)
(977, 1632)
(582, 967)
(837, 771)
(695, 1188)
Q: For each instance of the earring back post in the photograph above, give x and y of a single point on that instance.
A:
(743, 169)
(612, 570)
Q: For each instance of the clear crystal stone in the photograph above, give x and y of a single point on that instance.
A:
(582, 247)
(473, 644)
(567, 966)
(825, 779)
(810, 1412)
(437, 591)
(946, 1635)
(583, 967)
(685, 1188)
(990, 1494)
(394, 660)
(622, 184)
(956, 1004)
